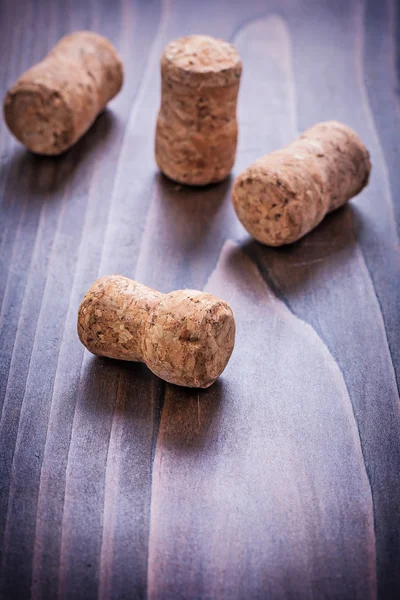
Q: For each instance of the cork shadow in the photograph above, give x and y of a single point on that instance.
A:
(319, 254)
(44, 177)
(117, 386)
(190, 420)
(185, 418)
(190, 224)
(194, 205)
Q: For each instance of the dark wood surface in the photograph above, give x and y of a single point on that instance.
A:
(283, 479)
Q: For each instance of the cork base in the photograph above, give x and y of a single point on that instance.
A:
(39, 119)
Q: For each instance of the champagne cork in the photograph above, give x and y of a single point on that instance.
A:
(185, 337)
(55, 102)
(196, 134)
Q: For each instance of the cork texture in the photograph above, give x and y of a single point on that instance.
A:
(55, 102)
(185, 337)
(285, 194)
(196, 132)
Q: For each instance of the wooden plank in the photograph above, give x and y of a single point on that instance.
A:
(270, 59)
(251, 487)
(51, 495)
(339, 92)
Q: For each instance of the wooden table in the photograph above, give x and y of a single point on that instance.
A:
(282, 480)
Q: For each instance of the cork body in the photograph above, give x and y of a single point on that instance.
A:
(287, 193)
(196, 133)
(56, 101)
(185, 337)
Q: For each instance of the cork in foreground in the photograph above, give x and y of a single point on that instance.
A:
(185, 337)
(197, 130)
(56, 101)
(287, 193)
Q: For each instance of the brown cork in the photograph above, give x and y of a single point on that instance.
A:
(197, 130)
(287, 193)
(185, 337)
(56, 101)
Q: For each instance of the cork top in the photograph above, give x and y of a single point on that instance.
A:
(201, 60)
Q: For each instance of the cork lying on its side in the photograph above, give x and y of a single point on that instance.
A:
(185, 337)
(56, 101)
(287, 193)
(196, 132)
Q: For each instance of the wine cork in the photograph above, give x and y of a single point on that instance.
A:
(285, 194)
(56, 101)
(196, 134)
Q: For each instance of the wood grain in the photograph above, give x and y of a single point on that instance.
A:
(281, 480)
(249, 487)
